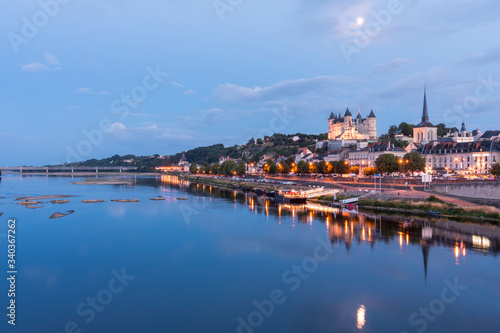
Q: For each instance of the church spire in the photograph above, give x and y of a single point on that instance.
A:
(425, 113)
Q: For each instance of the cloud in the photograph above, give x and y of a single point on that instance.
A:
(151, 132)
(177, 84)
(209, 117)
(50, 59)
(189, 92)
(132, 114)
(417, 21)
(488, 56)
(51, 64)
(116, 128)
(288, 89)
(34, 67)
(389, 66)
(85, 90)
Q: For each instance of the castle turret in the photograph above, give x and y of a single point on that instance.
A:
(359, 118)
(463, 130)
(348, 118)
(372, 125)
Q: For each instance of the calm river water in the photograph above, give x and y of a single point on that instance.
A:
(223, 261)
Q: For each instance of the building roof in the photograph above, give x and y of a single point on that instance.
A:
(490, 134)
(425, 114)
(332, 116)
(359, 115)
(446, 147)
(372, 115)
(347, 113)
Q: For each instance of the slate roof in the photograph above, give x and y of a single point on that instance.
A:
(460, 147)
(490, 134)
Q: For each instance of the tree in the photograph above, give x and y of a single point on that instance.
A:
(323, 137)
(251, 141)
(228, 168)
(393, 130)
(241, 168)
(260, 141)
(370, 171)
(495, 169)
(312, 168)
(270, 167)
(216, 168)
(441, 129)
(320, 167)
(302, 167)
(193, 169)
(206, 168)
(415, 161)
(328, 168)
(341, 167)
(406, 129)
(387, 163)
(284, 167)
(354, 169)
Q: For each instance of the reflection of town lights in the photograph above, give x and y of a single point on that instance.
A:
(457, 251)
(361, 321)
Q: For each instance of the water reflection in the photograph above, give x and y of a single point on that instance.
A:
(361, 321)
(347, 228)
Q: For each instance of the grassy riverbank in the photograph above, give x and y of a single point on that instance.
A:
(422, 207)
(446, 209)
(413, 207)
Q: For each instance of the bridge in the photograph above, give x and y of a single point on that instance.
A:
(49, 169)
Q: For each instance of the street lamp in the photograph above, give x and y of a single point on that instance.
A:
(403, 162)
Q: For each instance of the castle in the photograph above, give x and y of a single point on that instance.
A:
(345, 128)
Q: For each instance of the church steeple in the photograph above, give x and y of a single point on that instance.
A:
(425, 113)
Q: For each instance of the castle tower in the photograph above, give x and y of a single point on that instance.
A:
(372, 125)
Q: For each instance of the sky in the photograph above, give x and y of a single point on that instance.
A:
(84, 79)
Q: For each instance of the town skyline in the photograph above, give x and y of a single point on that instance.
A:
(209, 74)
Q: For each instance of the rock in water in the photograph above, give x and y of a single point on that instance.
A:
(58, 215)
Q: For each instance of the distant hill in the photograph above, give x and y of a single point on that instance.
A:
(274, 146)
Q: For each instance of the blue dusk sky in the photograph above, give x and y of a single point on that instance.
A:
(85, 79)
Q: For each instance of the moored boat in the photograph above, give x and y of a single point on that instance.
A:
(433, 213)
(290, 196)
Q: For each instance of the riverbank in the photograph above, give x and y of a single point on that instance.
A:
(415, 204)
(229, 183)
(421, 207)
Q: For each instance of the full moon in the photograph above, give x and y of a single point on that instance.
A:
(360, 21)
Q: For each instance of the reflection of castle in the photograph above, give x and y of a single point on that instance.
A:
(345, 128)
